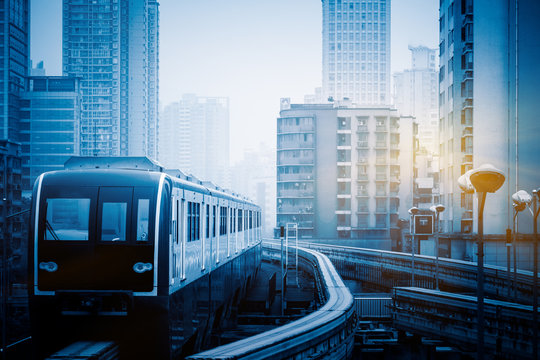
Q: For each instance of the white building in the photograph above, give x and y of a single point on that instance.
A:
(112, 45)
(356, 51)
(194, 137)
(415, 94)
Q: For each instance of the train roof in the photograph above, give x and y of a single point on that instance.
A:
(133, 177)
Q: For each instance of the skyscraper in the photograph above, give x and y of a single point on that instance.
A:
(112, 45)
(14, 34)
(194, 137)
(356, 51)
(50, 119)
(415, 94)
(495, 120)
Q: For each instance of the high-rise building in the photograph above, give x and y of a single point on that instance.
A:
(495, 120)
(339, 170)
(112, 45)
(14, 34)
(194, 137)
(415, 94)
(50, 119)
(356, 51)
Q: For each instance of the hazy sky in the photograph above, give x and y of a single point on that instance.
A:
(253, 51)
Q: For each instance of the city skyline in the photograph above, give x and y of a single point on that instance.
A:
(231, 52)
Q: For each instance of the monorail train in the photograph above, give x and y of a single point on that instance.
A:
(143, 258)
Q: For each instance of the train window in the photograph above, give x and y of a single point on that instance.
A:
(113, 221)
(194, 213)
(142, 219)
(67, 219)
(231, 222)
(223, 220)
(207, 221)
(240, 220)
(214, 218)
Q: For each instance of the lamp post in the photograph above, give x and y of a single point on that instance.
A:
(520, 201)
(437, 209)
(536, 209)
(413, 211)
(483, 179)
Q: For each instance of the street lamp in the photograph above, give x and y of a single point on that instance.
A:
(413, 211)
(520, 201)
(536, 211)
(437, 209)
(483, 179)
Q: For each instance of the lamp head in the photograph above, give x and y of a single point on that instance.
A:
(464, 183)
(487, 178)
(536, 193)
(522, 197)
(414, 210)
(437, 208)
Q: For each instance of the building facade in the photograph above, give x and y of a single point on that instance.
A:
(415, 94)
(356, 51)
(112, 45)
(195, 137)
(15, 50)
(50, 121)
(339, 170)
(493, 47)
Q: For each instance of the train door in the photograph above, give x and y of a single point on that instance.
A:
(124, 251)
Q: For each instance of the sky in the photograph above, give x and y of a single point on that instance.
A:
(254, 52)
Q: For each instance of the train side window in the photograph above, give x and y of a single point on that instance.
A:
(143, 208)
(207, 220)
(214, 219)
(67, 219)
(113, 221)
(240, 220)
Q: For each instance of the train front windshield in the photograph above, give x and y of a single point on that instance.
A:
(96, 238)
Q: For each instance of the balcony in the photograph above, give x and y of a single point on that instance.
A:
(394, 161)
(467, 132)
(394, 178)
(362, 129)
(467, 104)
(295, 177)
(381, 177)
(362, 177)
(381, 161)
(362, 193)
(362, 145)
(468, 75)
(381, 145)
(296, 161)
(468, 160)
(381, 128)
(291, 145)
(284, 209)
(299, 194)
(295, 129)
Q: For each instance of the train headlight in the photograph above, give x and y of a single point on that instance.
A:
(50, 266)
(141, 267)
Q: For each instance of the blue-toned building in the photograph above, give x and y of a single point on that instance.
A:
(113, 46)
(50, 121)
(14, 62)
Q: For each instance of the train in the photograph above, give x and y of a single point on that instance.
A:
(146, 259)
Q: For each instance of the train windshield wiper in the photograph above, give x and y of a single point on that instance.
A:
(51, 230)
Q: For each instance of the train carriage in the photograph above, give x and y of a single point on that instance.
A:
(139, 257)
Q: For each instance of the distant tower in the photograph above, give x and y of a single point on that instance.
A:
(415, 94)
(194, 137)
(14, 32)
(356, 51)
(112, 45)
